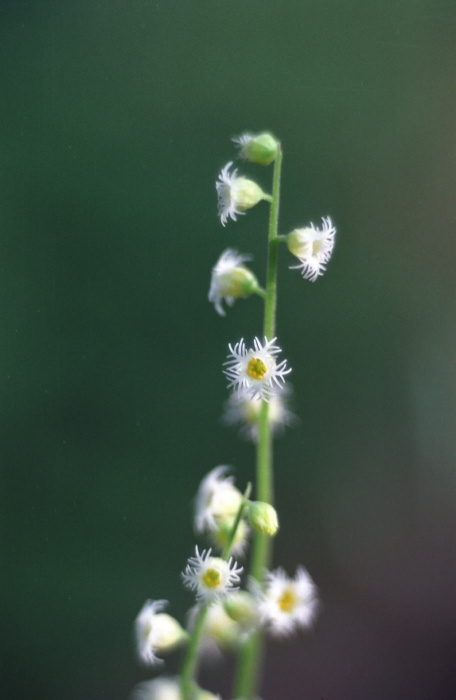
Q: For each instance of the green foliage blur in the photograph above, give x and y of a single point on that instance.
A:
(116, 119)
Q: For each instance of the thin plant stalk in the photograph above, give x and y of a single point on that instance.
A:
(187, 683)
(249, 665)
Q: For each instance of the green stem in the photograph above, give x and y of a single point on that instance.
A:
(191, 656)
(229, 544)
(250, 656)
(187, 684)
(261, 292)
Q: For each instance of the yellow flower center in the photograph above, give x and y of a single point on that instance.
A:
(256, 368)
(317, 247)
(287, 600)
(211, 578)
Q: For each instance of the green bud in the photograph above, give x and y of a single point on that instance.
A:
(263, 517)
(241, 608)
(261, 149)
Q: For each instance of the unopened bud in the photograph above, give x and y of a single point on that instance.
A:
(241, 607)
(263, 517)
(260, 148)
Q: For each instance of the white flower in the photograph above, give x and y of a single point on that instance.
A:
(166, 688)
(255, 368)
(156, 632)
(286, 604)
(236, 194)
(230, 280)
(244, 409)
(221, 632)
(313, 247)
(223, 530)
(217, 497)
(162, 688)
(211, 577)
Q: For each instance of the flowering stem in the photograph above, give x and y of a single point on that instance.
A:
(187, 684)
(250, 656)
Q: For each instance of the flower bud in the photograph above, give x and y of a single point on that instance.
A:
(261, 149)
(263, 517)
(241, 607)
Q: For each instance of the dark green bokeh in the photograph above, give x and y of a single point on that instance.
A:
(117, 116)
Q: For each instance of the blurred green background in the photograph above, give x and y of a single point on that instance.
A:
(116, 119)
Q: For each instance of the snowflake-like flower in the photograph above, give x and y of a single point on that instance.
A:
(156, 632)
(287, 604)
(230, 280)
(211, 577)
(244, 409)
(217, 498)
(313, 247)
(256, 369)
(235, 194)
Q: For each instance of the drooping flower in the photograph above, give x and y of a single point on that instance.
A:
(217, 498)
(287, 604)
(236, 194)
(256, 369)
(242, 607)
(230, 280)
(257, 148)
(221, 632)
(163, 688)
(167, 688)
(313, 247)
(222, 532)
(156, 632)
(211, 577)
(244, 409)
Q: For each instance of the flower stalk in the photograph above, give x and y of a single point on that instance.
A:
(250, 656)
(188, 673)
